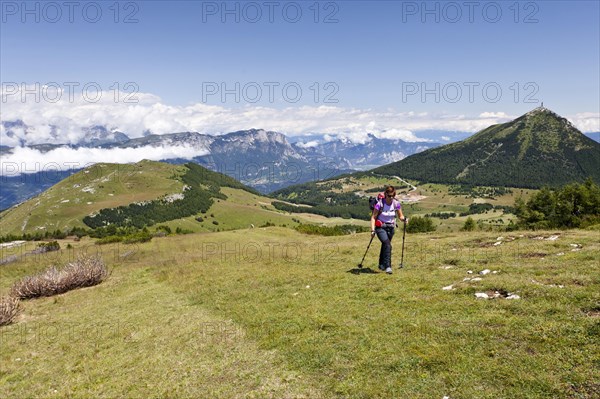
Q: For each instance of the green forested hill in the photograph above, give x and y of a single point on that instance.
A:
(539, 148)
(137, 194)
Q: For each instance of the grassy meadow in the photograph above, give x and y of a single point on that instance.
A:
(272, 313)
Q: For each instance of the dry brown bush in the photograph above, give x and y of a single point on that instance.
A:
(84, 272)
(9, 309)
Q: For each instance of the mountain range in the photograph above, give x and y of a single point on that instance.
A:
(263, 160)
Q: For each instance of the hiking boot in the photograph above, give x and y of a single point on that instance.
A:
(388, 270)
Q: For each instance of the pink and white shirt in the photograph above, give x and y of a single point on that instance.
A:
(388, 213)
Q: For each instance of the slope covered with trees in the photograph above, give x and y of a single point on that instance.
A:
(539, 148)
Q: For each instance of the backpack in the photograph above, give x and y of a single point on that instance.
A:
(374, 200)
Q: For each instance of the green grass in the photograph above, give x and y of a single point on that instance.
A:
(269, 312)
(134, 336)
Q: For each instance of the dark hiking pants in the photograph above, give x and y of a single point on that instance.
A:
(385, 235)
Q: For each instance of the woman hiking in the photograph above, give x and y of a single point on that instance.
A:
(383, 223)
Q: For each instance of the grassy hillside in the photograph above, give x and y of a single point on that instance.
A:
(100, 186)
(272, 313)
(139, 195)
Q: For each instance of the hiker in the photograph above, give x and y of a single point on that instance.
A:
(383, 223)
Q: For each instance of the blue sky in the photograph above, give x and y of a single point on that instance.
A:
(376, 57)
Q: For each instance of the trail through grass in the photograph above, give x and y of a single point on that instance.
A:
(135, 337)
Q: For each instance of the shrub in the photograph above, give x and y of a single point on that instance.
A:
(337, 230)
(140, 236)
(84, 272)
(9, 309)
(47, 247)
(164, 228)
(469, 225)
(109, 240)
(179, 230)
(419, 224)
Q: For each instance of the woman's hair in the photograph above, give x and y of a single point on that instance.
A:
(390, 190)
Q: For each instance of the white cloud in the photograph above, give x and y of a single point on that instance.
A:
(494, 115)
(445, 138)
(71, 116)
(28, 160)
(308, 144)
(586, 121)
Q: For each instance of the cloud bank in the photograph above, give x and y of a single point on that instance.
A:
(29, 160)
(64, 121)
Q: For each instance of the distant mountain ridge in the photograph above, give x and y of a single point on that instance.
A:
(374, 152)
(538, 148)
(264, 160)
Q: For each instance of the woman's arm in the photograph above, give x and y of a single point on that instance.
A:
(373, 218)
(400, 215)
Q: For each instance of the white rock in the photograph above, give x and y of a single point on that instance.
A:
(575, 245)
(576, 249)
(484, 272)
(481, 295)
(552, 238)
(447, 288)
(469, 271)
(466, 279)
(513, 296)
(497, 243)
(448, 267)
(560, 254)
(308, 286)
(499, 238)
(495, 272)
(476, 279)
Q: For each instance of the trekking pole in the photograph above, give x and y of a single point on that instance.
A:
(360, 265)
(403, 235)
